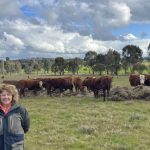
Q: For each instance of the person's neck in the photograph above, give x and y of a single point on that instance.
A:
(6, 105)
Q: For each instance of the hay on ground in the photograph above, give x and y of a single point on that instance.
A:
(128, 93)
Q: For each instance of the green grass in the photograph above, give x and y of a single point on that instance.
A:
(74, 123)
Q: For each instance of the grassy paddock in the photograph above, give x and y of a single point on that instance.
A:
(75, 123)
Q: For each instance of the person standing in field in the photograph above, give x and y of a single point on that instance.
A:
(14, 119)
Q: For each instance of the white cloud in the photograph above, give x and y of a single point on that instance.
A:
(42, 40)
(9, 9)
(121, 14)
(13, 41)
(128, 37)
(74, 26)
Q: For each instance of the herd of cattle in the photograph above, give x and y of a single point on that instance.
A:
(61, 84)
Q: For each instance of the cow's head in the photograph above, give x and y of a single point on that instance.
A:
(142, 79)
(41, 84)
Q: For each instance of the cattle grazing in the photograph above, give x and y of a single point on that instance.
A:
(61, 84)
(13, 82)
(88, 82)
(105, 85)
(34, 85)
(102, 83)
(77, 82)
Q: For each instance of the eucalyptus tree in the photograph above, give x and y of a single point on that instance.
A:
(46, 64)
(98, 67)
(148, 51)
(60, 64)
(132, 54)
(112, 61)
(116, 62)
(139, 67)
(73, 65)
(124, 65)
(28, 68)
(90, 59)
(18, 66)
(54, 68)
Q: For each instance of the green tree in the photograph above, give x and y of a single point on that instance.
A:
(46, 65)
(116, 62)
(73, 66)
(36, 65)
(17, 66)
(28, 68)
(124, 65)
(2, 69)
(139, 67)
(149, 51)
(54, 68)
(60, 64)
(112, 61)
(132, 54)
(98, 67)
(8, 65)
(90, 59)
(100, 58)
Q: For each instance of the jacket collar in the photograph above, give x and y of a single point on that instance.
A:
(14, 106)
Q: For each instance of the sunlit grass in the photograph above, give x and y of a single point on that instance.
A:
(73, 123)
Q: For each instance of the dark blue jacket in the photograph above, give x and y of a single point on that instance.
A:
(13, 125)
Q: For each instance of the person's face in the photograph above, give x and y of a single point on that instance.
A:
(5, 97)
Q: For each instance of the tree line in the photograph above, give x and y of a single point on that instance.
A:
(130, 60)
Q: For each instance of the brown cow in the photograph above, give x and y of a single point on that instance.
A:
(134, 79)
(12, 82)
(88, 82)
(138, 79)
(62, 84)
(102, 83)
(77, 82)
(34, 85)
(105, 84)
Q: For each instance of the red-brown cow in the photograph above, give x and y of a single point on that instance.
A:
(62, 84)
(12, 82)
(105, 84)
(137, 79)
(88, 82)
(134, 79)
(34, 85)
(77, 82)
(100, 83)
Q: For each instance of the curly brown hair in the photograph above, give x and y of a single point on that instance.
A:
(11, 89)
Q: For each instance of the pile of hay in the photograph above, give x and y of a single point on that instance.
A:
(128, 93)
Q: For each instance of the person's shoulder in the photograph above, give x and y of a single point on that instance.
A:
(21, 107)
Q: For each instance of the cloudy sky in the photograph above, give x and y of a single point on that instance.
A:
(70, 28)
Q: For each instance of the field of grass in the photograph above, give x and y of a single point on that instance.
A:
(85, 123)
(73, 123)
